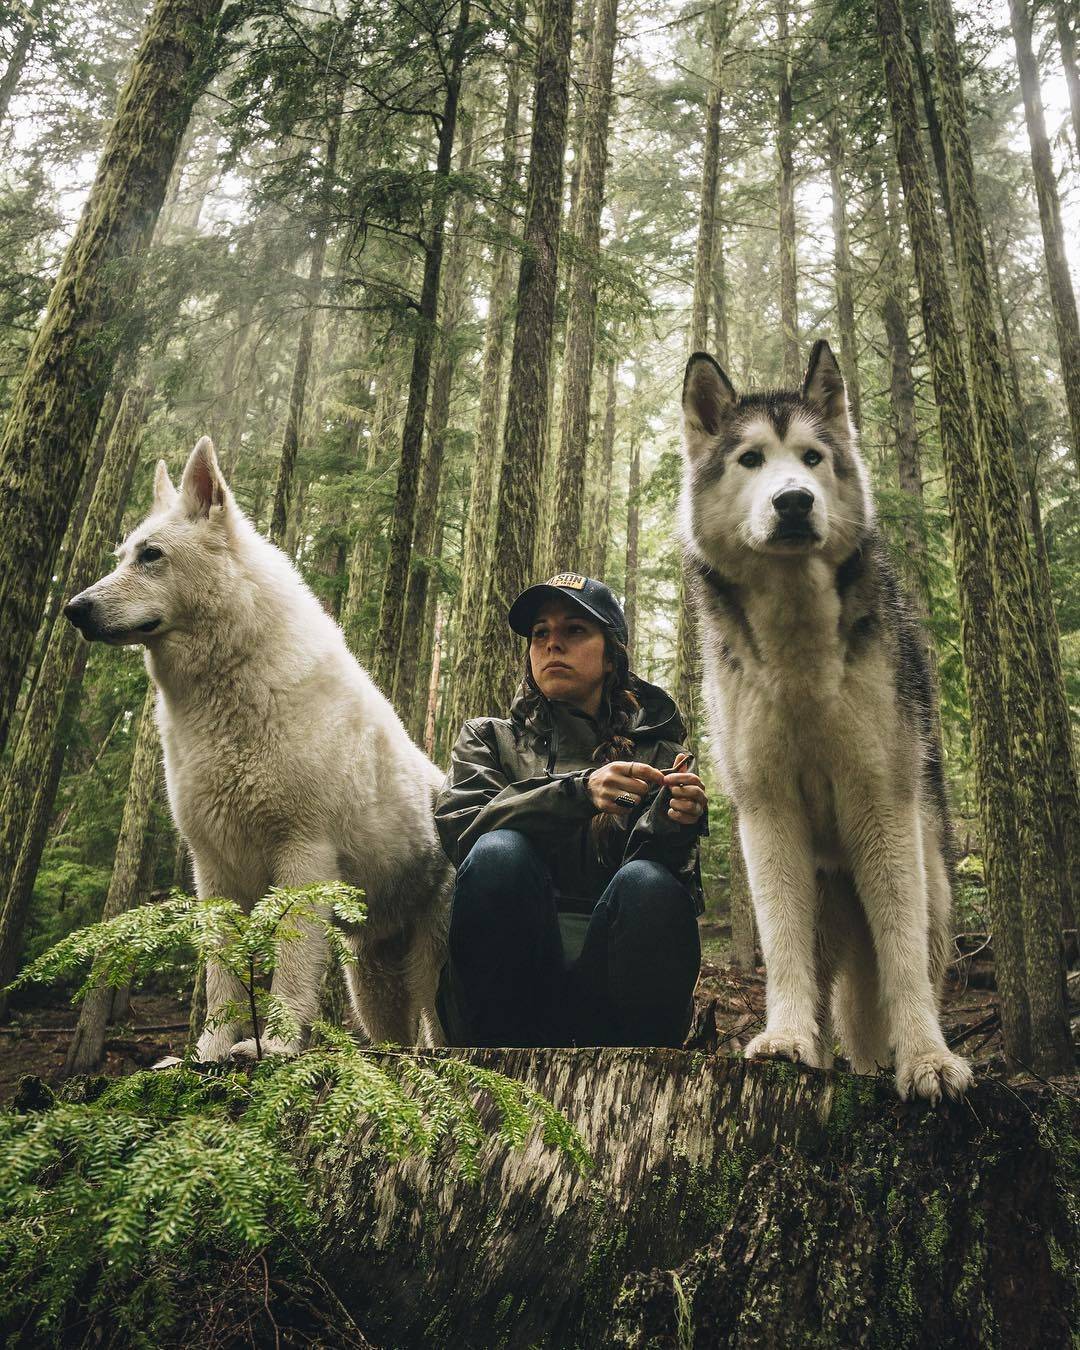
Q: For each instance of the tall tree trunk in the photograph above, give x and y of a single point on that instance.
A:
(384, 434)
(87, 1046)
(1043, 874)
(408, 696)
(633, 529)
(20, 54)
(1064, 18)
(517, 510)
(910, 19)
(785, 186)
(845, 296)
(974, 565)
(1062, 298)
(51, 421)
(568, 548)
(719, 26)
(477, 543)
(1060, 755)
(403, 522)
(598, 552)
(687, 673)
(30, 787)
(894, 314)
(285, 489)
(721, 340)
(432, 700)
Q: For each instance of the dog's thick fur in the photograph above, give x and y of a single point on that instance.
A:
(285, 765)
(821, 715)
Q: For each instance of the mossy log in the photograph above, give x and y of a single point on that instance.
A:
(730, 1204)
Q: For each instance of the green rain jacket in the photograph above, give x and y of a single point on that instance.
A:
(529, 772)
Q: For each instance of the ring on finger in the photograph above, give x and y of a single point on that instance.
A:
(625, 799)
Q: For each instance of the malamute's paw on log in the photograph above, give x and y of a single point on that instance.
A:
(787, 1044)
(932, 1074)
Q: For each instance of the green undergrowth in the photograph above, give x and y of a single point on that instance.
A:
(113, 1192)
(116, 1194)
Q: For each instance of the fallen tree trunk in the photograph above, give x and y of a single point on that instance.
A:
(730, 1204)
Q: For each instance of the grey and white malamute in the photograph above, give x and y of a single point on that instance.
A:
(820, 711)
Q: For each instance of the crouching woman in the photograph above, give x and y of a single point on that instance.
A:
(575, 836)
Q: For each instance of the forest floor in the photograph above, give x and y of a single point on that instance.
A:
(729, 1009)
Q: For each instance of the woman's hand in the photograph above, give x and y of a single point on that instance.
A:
(618, 787)
(688, 800)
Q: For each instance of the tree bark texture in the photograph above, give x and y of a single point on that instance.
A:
(409, 694)
(285, 488)
(1064, 19)
(384, 434)
(403, 521)
(20, 54)
(911, 24)
(30, 786)
(719, 27)
(1043, 874)
(785, 187)
(1060, 755)
(633, 529)
(87, 1045)
(1062, 296)
(597, 555)
(517, 511)
(568, 548)
(51, 421)
(730, 1204)
(483, 487)
(973, 564)
(845, 294)
(894, 315)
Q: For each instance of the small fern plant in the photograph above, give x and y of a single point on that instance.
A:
(115, 1192)
(143, 941)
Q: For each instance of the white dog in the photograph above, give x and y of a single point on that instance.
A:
(821, 713)
(285, 765)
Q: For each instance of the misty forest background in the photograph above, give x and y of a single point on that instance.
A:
(396, 237)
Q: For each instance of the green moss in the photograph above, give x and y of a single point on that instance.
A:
(935, 1233)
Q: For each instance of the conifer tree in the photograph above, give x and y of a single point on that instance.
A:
(50, 424)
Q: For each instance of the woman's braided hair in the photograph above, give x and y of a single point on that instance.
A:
(618, 704)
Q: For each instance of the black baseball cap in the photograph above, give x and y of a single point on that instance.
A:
(591, 597)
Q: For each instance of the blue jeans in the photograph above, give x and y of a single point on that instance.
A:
(507, 983)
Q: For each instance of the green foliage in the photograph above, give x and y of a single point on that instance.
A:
(108, 1202)
(144, 941)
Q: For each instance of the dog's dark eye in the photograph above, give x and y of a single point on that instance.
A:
(811, 459)
(150, 554)
(751, 459)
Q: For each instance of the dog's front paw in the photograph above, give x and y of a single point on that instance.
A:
(932, 1073)
(782, 1041)
(269, 1045)
(213, 1047)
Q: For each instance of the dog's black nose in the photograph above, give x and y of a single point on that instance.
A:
(78, 611)
(793, 502)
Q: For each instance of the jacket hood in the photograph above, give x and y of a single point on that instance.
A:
(658, 716)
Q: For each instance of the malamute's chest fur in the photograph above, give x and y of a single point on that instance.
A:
(802, 694)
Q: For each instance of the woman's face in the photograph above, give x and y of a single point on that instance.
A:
(567, 655)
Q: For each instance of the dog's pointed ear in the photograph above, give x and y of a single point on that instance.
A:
(824, 384)
(708, 399)
(203, 486)
(164, 492)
